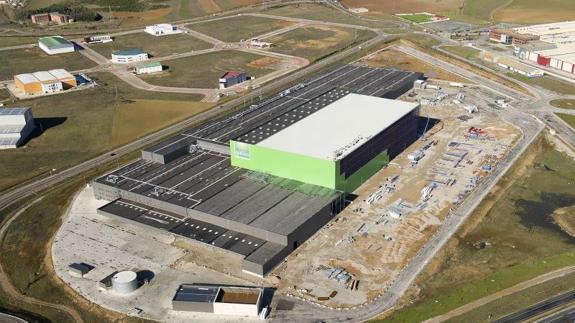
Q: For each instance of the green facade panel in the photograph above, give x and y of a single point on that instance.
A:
(284, 164)
(359, 177)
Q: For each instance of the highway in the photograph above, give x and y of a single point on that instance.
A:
(543, 307)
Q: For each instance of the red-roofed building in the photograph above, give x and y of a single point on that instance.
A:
(232, 78)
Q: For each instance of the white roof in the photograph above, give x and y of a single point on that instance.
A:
(548, 29)
(26, 78)
(44, 76)
(340, 127)
(61, 74)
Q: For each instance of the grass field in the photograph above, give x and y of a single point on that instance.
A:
(547, 82)
(403, 6)
(463, 51)
(203, 71)
(500, 245)
(392, 58)
(534, 11)
(4, 95)
(570, 119)
(25, 254)
(315, 41)
(417, 18)
(155, 46)
(481, 10)
(18, 61)
(563, 103)
(92, 122)
(17, 40)
(237, 28)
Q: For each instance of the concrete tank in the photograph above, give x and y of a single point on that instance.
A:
(125, 282)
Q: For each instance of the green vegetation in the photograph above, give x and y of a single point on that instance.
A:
(155, 46)
(563, 103)
(417, 18)
(569, 118)
(506, 247)
(207, 68)
(30, 60)
(422, 40)
(7, 41)
(24, 257)
(76, 9)
(520, 300)
(463, 51)
(4, 94)
(315, 42)
(547, 82)
(533, 11)
(237, 28)
(481, 9)
(77, 126)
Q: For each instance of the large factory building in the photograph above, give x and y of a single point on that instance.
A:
(258, 183)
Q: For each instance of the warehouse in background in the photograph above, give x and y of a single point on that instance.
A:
(16, 124)
(232, 78)
(53, 45)
(45, 82)
(220, 300)
(162, 30)
(148, 68)
(127, 56)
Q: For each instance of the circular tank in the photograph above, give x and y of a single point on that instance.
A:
(125, 282)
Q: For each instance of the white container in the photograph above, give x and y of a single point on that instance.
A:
(125, 282)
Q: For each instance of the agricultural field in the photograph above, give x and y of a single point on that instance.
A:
(393, 6)
(569, 118)
(207, 68)
(155, 46)
(196, 8)
(563, 103)
(534, 11)
(483, 257)
(316, 41)
(97, 121)
(393, 58)
(240, 27)
(27, 60)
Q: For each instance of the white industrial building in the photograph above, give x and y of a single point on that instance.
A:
(148, 68)
(162, 30)
(220, 300)
(127, 56)
(16, 124)
(53, 45)
(560, 50)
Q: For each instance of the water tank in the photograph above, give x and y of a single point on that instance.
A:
(125, 282)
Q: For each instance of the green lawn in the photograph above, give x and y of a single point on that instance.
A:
(155, 46)
(314, 42)
(203, 71)
(570, 119)
(239, 27)
(417, 18)
(80, 125)
(547, 82)
(563, 103)
(523, 241)
(463, 51)
(18, 61)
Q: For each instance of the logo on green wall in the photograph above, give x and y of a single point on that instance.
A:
(242, 150)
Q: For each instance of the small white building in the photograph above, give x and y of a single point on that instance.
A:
(53, 45)
(162, 30)
(16, 124)
(129, 56)
(148, 68)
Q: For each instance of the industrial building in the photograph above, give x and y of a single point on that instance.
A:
(232, 78)
(16, 124)
(508, 37)
(518, 67)
(162, 30)
(53, 45)
(556, 48)
(127, 56)
(189, 186)
(51, 17)
(148, 68)
(220, 300)
(45, 82)
(97, 39)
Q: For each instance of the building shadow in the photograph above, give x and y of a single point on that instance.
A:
(43, 124)
(145, 276)
(424, 124)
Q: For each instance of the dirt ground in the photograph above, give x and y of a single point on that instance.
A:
(368, 240)
(565, 218)
(392, 58)
(535, 11)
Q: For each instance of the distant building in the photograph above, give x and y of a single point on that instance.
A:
(52, 17)
(162, 30)
(45, 82)
(256, 43)
(16, 124)
(220, 300)
(129, 56)
(53, 45)
(523, 69)
(508, 37)
(232, 78)
(96, 39)
(148, 68)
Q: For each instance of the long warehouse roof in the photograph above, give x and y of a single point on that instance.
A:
(334, 131)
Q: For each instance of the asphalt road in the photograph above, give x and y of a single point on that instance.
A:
(543, 307)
